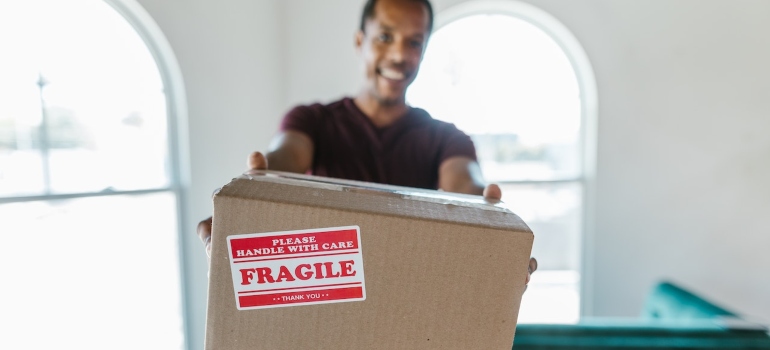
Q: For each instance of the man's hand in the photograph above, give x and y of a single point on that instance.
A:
(530, 269)
(204, 233)
(492, 193)
(256, 161)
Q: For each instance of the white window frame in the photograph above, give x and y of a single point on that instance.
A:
(176, 114)
(588, 114)
(178, 139)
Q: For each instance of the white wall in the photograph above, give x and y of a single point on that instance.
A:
(684, 114)
(682, 156)
(321, 63)
(683, 151)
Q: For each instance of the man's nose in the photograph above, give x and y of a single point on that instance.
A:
(396, 52)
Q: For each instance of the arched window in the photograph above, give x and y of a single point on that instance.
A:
(515, 79)
(90, 178)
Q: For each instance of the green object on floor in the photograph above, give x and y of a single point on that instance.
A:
(669, 301)
(639, 334)
(672, 318)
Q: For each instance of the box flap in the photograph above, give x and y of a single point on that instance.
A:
(373, 198)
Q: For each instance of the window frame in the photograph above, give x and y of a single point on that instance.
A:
(177, 137)
(588, 114)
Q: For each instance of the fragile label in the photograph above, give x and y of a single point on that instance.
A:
(291, 268)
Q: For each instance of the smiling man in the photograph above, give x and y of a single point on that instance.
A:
(375, 136)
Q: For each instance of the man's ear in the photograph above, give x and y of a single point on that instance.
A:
(359, 40)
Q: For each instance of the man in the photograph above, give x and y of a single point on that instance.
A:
(376, 136)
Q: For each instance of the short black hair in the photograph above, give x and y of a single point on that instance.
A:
(368, 13)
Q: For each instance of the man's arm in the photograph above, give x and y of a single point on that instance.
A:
(463, 175)
(290, 151)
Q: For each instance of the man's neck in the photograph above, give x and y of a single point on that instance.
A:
(380, 114)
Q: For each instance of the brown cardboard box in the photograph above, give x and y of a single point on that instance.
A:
(302, 262)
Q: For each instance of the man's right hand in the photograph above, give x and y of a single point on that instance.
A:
(256, 161)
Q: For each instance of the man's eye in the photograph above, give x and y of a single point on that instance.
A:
(384, 37)
(415, 43)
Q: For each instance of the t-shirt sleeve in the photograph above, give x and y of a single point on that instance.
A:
(304, 119)
(456, 144)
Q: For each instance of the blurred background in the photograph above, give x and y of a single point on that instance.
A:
(631, 136)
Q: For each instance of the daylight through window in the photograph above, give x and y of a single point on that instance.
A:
(87, 196)
(511, 86)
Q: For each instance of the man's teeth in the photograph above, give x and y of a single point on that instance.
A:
(392, 74)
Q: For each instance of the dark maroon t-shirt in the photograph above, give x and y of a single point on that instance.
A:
(349, 146)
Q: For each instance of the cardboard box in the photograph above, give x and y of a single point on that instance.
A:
(303, 262)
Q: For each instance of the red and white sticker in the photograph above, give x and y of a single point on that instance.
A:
(291, 268)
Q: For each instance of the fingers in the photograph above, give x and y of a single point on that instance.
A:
(531, 268)
(492, 192)
(204, 233)
(204, 230)
(257, 161)
(532, 265)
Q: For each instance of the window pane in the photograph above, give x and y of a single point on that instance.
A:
(85, 83)
(511, 87)
(21, 172)
(553, 296)
(21, 162)
(553, 212)
(507, 157)
(508, 84)
(91, 273)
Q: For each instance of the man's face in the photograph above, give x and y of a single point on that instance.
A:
(392, 45)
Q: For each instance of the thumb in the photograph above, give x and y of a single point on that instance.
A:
(493, 192)
(257, 161)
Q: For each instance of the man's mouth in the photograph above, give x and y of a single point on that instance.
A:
(392, 74)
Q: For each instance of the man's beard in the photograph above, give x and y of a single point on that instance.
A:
(388, 101)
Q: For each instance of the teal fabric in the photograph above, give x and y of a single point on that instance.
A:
(669, 301)
(672, 318)
(640, 334)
